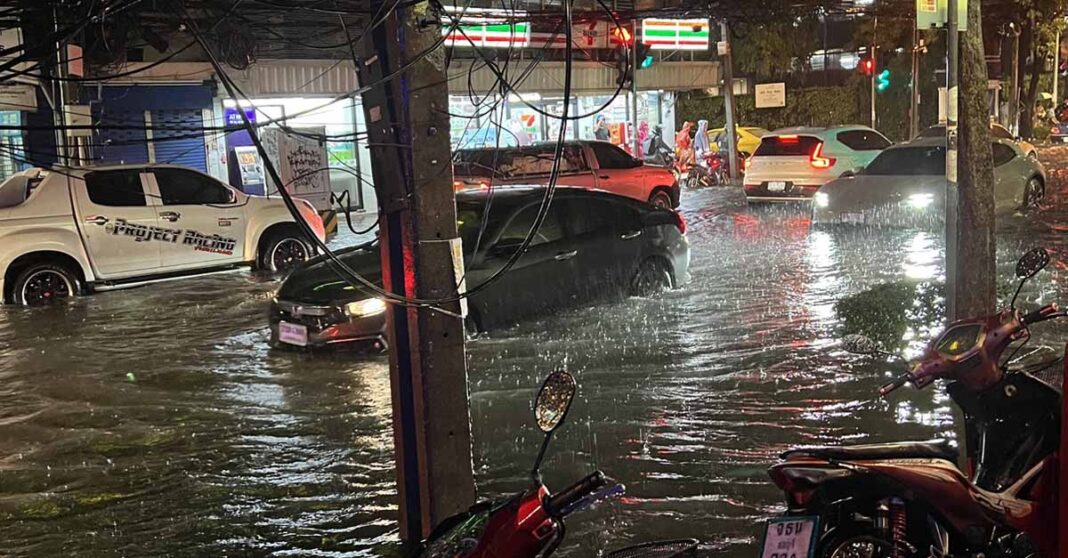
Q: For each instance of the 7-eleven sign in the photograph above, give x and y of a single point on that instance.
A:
(487, 28)
(675, 34)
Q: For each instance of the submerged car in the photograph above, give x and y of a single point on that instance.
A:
(906, 186)
(791, 164)
(996, 131)
(591, 246)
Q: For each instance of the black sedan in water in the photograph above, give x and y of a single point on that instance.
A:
(591, 246)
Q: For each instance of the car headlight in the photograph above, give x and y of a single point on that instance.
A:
(821, 199)
(365, 308)
(920, 201)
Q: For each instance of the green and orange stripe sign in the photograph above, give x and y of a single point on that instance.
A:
(675, 34)
(489, 35)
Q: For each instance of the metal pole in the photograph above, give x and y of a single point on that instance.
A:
(952, 57)
(874, 68)
(1056, 67)
(1015, 112)
(408, 131)
(633, 94)
(728, 101)
(914, 103)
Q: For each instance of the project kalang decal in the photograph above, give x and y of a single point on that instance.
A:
(199, 242)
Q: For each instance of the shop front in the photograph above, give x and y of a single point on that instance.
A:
(533, 117)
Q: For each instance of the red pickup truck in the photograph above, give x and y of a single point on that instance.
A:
(596, 165)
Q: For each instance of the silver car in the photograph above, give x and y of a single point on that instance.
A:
(906, 186)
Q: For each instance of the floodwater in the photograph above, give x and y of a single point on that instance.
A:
(156, 421)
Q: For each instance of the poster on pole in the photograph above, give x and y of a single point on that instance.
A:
(932, 13)
(770, 95)
(302, 164)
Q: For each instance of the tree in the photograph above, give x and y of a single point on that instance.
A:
(975, 292)
(772, 50)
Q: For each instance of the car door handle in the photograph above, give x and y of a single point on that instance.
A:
(171, 216)
(97, 220)
(630, 235)
(603, 176)
(561, 256)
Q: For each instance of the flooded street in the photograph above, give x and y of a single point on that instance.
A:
(155, 421)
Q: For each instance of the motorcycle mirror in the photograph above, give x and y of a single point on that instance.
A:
(554, 399)
(550, 409)
(1031, 263)
(860, 345)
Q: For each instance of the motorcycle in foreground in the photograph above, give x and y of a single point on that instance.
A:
(530, 524)
(910, 499)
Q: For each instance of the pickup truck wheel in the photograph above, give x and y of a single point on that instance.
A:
(45, 283)
(283, 252)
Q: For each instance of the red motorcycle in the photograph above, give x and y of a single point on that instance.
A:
(910, 499)
(531, 524)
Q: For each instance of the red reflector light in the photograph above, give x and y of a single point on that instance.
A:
(680, 223)
(819, 161)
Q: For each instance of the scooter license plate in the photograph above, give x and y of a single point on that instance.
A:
(790, 537)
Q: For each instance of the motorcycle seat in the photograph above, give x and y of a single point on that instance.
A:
(934, 449)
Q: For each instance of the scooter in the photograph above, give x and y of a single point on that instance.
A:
(530, 524)
(710, 170)
(910, 499)
(657, 151)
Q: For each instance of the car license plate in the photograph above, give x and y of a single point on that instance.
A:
(777, 186)
(853, 218)
(790, 537)
(293, 334)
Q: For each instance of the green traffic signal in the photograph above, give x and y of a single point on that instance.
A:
(647, 61)
(882, 81)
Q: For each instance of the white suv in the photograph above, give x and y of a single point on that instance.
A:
(792, 163)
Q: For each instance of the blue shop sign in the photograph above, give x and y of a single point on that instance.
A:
(233, 117)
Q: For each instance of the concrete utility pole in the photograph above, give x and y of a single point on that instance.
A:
(408, 125)
(728, 100)
(952, 56)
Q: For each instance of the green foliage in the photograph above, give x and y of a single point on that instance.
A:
(893, 313)
(772, 50)
(819, 106)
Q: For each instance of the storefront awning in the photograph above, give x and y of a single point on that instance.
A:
(308, 78)
(586, 77)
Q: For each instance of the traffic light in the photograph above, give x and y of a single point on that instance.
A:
(644, 55)
(882, 81)
(621, 35)
(866, 66)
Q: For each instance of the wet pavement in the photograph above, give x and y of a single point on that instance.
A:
(156, 421)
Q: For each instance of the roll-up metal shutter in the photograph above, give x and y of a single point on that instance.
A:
(178, 138)
(120, 137)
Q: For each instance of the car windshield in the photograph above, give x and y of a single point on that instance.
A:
(912, 161)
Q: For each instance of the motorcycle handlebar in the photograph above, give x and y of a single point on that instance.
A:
(895, 384)
(577, 491)
(1046, 312)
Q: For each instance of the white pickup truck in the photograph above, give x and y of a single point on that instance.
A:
(67, 232)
